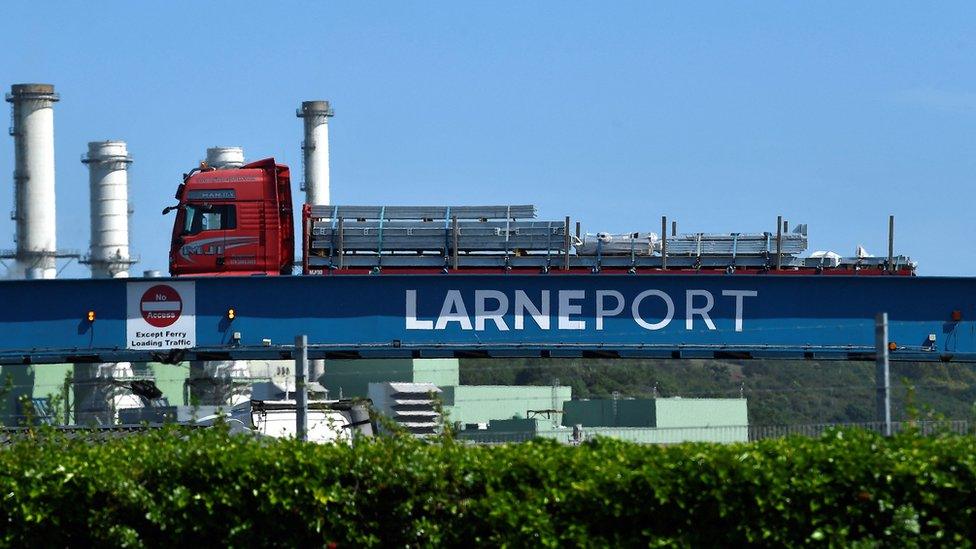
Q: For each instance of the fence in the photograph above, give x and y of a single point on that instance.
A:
(719, 433)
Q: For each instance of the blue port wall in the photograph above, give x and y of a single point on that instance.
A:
(437, 315)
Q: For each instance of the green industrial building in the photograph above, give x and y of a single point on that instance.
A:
(462, 404)
(652, 421)
(661, 413)
(473, 404)
(351, 378)
(517, 430)
(662, 420)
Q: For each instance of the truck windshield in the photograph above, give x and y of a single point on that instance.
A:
(208, 217)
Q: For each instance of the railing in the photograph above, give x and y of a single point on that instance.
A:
(927, 428)
(718, 433)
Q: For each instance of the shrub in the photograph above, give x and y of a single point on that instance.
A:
(206, 487)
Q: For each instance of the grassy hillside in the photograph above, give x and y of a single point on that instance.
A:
(779, 392)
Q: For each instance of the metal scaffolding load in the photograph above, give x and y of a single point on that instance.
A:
(509, 237)
(372, 236)
(429, 213)
(488, 236)
(618, 244)
(735, 244)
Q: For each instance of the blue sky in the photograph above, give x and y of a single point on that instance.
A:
(721, 116)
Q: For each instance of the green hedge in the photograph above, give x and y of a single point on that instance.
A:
(210, 488)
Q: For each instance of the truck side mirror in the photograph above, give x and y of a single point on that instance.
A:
(168, 209)
(179, 191)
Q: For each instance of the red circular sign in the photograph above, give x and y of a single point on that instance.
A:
(161, 306)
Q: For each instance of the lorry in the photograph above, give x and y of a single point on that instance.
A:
(239, 221)
(328, 420)
(234, 222)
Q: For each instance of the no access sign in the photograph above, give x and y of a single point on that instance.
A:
(161, 306)
(160, 315)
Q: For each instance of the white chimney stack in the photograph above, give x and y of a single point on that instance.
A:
(223, 158)
(33, 131)
(108, 164)
(315, 147)
(315, 157)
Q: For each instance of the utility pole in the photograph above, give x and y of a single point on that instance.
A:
(882, 381)
(66, 396)
(616, 417)
(555, 403)
(301, 388)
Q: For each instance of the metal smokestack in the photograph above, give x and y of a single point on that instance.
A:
(220, 382)
(315, 157)
(315, 147)
(223, 158)
(108, 164)
(33, 131)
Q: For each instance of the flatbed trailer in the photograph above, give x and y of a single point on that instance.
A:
(500, 239)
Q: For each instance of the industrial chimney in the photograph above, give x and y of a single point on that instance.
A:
(108, 164)
(315, 147)
(221, 382)
(33, 131)
(223, 158)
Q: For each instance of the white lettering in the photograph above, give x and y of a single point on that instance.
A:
(635, 309)
(453, 310)
(412, 322)
(496, 315)
(691, 310)
(566, 308)
(539, 315)
(739, 295)
(602, 311)
(492, 306)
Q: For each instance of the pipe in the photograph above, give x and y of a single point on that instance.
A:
(891, 243)
(342, 251)
(779, 242)
(566, 245)
(454, 242)
(664, 242)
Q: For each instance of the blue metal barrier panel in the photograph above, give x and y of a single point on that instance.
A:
(486, 315)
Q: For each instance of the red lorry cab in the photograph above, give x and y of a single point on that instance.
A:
(234, 222)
